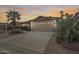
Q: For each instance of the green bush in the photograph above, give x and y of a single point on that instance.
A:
(68, 30)
(16, 31)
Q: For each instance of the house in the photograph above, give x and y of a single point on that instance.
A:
(42, 23)
(2, 27)
(26, 24)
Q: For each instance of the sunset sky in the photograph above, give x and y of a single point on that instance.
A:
(29, 12)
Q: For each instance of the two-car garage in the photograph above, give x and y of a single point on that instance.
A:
(44, 26)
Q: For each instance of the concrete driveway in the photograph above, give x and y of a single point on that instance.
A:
(29, 42)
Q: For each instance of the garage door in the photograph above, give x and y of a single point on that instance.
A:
(44, 26)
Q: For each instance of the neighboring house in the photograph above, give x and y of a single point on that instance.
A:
(2, 27)
(18, 24)
(26, 24)
(42, 23)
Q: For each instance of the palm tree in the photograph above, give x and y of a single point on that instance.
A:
(13, 16)
(61, 13)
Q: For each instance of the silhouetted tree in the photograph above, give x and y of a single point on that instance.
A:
(13, 16)
(76, 16)
(62, 14)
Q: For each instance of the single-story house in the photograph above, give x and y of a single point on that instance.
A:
(42, 23)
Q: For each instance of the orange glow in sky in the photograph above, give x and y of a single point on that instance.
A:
(29, 12)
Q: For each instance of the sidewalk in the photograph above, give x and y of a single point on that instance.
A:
(53, 47)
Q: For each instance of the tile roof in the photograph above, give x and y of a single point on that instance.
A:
(42, 18)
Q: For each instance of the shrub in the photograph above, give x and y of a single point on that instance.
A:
(68, 30)
(16, 31)
(24, 28)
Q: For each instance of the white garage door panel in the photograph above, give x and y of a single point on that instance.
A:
(43, 27)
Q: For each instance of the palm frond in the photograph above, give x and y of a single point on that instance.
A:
(13, 16)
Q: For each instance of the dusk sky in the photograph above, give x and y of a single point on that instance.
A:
(29, 12)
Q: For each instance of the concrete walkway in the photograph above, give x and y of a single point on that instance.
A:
(53, 47)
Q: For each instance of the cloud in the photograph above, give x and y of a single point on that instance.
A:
(3, 15)
(70, 10)
(29, 12)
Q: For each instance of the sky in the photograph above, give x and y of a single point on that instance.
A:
(29, 12)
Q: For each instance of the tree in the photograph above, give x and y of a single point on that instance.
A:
(76, 16)
(65, 27)
(68, 28)
(62, 14)
(13, 16)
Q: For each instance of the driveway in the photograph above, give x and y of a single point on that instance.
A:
(29, 42)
